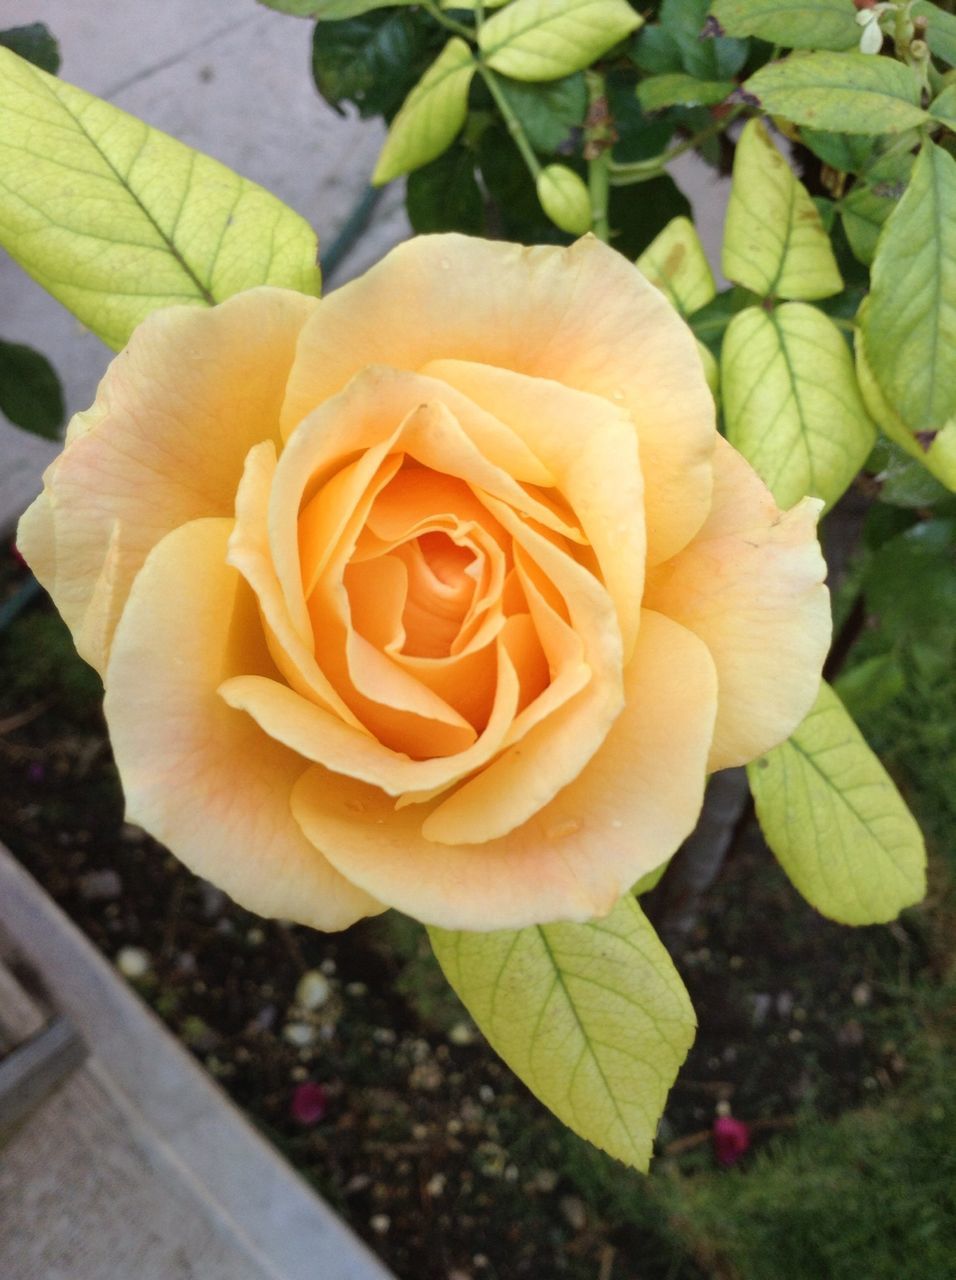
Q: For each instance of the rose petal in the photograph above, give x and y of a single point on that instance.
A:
(316, 735)
(750, 585)
(625, 813)
(198, 775)
(589, 447)
(554, 751)
(582, 316)
(175, 416)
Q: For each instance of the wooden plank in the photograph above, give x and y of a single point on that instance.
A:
(146, 1112)
(34, 1070)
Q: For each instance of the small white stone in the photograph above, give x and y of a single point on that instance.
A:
(435, 1185)
(380, 1223)
(313, 990)
(462, 1033)
(300, 1034)
(133, 962)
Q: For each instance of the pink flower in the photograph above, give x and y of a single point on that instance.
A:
(310, 1102)
(731, 1140)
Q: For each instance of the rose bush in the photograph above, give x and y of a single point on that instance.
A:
(442, 593)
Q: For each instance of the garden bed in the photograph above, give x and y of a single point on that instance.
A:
(407, 1123)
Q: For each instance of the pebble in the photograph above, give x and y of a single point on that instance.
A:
(861, 995)
(356, 989)
(544, 1180)
(300, 1034)
(426, 1075)
(762, 1003)
(785, 1004)
(99, 886)
(575, 1214)
(851, 1034)
(462, 1033)
(380, 1223)
(435, 1185)
(133, 962)
(312, 990)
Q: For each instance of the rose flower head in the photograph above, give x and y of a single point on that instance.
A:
(442, 593)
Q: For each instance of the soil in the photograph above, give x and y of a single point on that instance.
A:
(428, 1146)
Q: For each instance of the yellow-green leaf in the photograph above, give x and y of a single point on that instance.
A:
(791, 402)
(677, 89)
(545, 39)
(565, 199)
(944, 107)
(116, 219)
(431, 116)
(593, 1017)
(846, 92)
(774, 241)
(836, 822)
(910, 319)
(793, 24)
(675, 263)
(937, 452)
(871, 200)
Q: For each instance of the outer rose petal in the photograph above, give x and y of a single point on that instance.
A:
(583, 316)
(198, 775)
(174, 418)
(751, 586)
(626, 812)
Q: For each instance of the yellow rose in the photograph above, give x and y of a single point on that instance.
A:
(442, 593)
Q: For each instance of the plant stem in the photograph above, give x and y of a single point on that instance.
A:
(512, 122)
(623, 175)
(598, 151)
(432, 9)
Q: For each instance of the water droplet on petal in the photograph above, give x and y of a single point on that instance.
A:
(562, 829)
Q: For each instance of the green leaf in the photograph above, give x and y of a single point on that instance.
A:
(431, 116)
(793, 24)
(774, 241)
(334, 10)
(846, 92)
(943, 108)
(30, 394)
(910, 584)
(516, 212)
(701, 54)
(871, 685)
(904, 481)
(116, 219)
(676, 264)
(837, 824)
(791, 403)
(549, 112)
(373, 60)
(640, 212)
(935, 451)
(910, 320)
(679, 89)
(444, 195)
(565, 199)
(34, 42)
(545, 39)
(941, 30)
(870, 202)
(846, 152)
(593, 1017)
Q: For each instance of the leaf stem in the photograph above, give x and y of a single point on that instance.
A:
(623, 175)
(598, 152)
(514, 125)
(432, 9)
